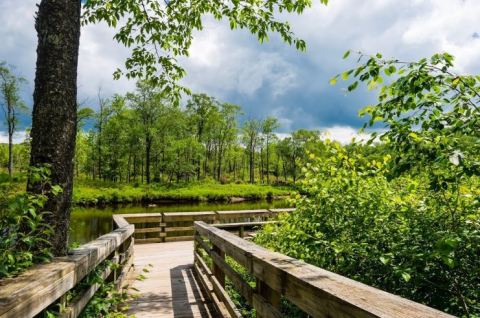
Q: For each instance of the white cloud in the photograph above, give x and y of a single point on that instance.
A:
(222, 62)
(18, 137)
(274, 78)
(343, 134)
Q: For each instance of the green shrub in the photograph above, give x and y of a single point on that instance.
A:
(398, 235)
(24, 236)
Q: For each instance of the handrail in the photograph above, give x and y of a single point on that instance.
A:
(317, 292)
(33, 291)
(178, 226)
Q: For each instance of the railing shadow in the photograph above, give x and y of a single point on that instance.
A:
(183, 306)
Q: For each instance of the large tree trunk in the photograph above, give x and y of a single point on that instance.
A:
(54, 117)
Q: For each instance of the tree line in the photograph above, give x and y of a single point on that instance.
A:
(145, 137)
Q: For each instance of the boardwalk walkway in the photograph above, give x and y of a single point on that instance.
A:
(170, 288)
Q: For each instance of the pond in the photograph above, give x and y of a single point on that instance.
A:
(88, 223)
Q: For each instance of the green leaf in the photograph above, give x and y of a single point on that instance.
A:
(406, 276)
(353, 86)
(346, 54)
(333, 80)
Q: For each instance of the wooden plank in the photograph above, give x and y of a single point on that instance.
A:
(149, 240)
(216, 268)
(235, 214)
(119, 221)
(240, 285)
(266, 310)
(224, 298)
(37, 288)
(204, 279)
(188, 216)
(282, 210)
(179, 238)
(148, 230)
(179, 228)
(171, 288)
(318, 292)
(74, 309)
(136, 215)
(269, 302)
(144, 219)
(224, 304)
(242, 224)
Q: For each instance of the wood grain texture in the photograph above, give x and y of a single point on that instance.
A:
(170, 289)
(318, 292)
(34, 290)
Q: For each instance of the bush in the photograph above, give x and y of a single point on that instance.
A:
(24, 236)
(398, 235)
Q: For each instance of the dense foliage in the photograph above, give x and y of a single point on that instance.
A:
(403, 216)
(144, 137)
(24, 236)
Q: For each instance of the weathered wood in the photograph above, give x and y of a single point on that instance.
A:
(179, 228)
(119, 221)
(170, 289)
(269, 302)
(244, 288)
(34, 290)
(282, 210)
(242, 224)
(179, 238)
(265, 309)
(188, 216)
(149, 240)
(216, 268)
(148, 230)
(74, 309)
(222, 215)
(318, 292)
(204, 279)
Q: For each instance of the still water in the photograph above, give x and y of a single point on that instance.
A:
(89, 223)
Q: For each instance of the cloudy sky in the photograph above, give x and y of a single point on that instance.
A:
(273, 78)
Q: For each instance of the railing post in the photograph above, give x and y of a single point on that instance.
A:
(217, 270)
(163, 228)
(241, 231)
(271, 296)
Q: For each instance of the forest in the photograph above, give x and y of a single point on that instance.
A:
(398, 210)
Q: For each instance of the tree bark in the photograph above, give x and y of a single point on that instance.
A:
(148, 148)
(54, 119)
(11, 128)
(252, 165)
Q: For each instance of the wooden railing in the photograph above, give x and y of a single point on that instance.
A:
(178, 226)
(47, 284)
(278, 279)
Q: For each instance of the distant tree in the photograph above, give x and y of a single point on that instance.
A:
(160, 31)
(251, 133)
(201, 109)
(11, 104)
(147, 103)
(269, 125)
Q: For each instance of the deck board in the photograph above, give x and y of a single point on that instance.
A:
(170, 288)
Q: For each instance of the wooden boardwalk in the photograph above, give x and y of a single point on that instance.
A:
(170, 288)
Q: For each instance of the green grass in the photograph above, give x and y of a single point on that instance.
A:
(92, 193)
(88, 192)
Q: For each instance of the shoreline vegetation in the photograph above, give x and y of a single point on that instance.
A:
(97, 194)
(90, 193)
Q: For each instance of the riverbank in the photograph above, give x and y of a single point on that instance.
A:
(91, 194)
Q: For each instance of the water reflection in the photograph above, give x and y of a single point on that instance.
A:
(89, 223)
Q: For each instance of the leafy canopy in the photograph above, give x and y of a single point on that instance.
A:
(160, 31)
